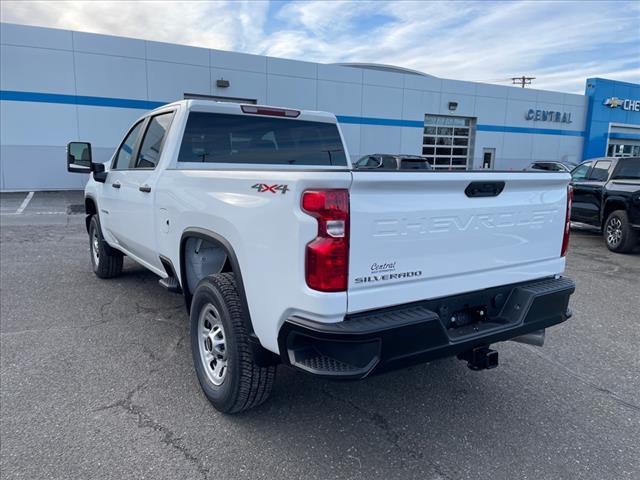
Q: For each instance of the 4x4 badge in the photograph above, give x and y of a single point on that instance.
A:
(264, 188)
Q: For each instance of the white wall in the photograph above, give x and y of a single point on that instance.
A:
(43, 60)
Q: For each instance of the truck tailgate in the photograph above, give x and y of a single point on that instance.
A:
(418, 235)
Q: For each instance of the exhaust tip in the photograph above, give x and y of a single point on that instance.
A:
(534, 338)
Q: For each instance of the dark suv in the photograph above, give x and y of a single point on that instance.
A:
(606, 195)
(386, 161)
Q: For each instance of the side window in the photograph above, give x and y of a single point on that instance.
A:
(153, 140)
(580, 172)
(123, 158)
(363, 162)
(550, 167)
(389, 163)
(414, 165)
(368, 161)
(600, 171)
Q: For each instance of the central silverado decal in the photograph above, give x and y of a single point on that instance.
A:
(386, 267)
(264, 188)
(388, 276)
(384, 271)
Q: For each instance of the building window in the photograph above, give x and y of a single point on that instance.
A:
(447, 141)
(621, 150)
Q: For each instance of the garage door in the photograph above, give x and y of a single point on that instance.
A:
(448, 141)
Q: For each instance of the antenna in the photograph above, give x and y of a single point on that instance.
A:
(522, 81)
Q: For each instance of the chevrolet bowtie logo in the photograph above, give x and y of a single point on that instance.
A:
(613, 102)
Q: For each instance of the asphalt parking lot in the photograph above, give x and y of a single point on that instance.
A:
(97, 382)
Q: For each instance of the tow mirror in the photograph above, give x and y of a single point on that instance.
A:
(79, 157)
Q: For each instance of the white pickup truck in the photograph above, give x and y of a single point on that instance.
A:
(286, 254)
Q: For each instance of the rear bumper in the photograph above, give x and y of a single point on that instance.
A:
(390, 338)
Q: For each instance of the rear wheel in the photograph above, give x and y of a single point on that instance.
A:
(222, 354)
(106, 261)
(618, 234)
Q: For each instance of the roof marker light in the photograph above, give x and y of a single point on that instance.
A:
(273, 112)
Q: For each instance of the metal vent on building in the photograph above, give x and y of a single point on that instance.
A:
(448, 141)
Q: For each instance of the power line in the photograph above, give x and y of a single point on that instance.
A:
(522, 81)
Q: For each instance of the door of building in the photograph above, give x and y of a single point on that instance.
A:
(488, 157)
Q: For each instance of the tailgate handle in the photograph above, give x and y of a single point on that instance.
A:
(484, 189)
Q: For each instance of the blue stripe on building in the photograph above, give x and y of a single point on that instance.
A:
(344, 119)
(540, 131)
(624, 136)
(78, 100)
(389, 122)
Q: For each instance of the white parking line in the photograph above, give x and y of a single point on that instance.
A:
(34, 213)
(24, 203)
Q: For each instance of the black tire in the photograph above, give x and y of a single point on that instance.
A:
(108, 261)
(244, 384)
(618, 234)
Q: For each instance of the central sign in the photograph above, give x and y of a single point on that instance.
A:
(548, 116)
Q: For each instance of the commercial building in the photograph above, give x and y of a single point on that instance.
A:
(58, 85)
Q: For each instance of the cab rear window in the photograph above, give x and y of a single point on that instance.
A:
(628, 169)
(245, 139)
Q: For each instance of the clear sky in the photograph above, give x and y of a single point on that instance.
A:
(559, 42)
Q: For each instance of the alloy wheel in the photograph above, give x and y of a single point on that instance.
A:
(212, 344)
(614, 232)
(95, 247)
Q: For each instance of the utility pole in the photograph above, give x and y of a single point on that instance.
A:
(522, 81)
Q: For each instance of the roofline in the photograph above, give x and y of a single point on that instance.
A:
(631, 84)
(383, 67)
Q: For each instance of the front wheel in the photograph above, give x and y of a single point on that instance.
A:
(222, 354)
(106, 261)
(618, 234)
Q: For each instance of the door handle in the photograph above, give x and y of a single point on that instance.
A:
(116, 184)
(144, 188)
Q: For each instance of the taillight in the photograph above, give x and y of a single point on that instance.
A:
(327, 256)
(567, 222)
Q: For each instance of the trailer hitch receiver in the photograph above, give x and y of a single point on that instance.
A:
(480, 358)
